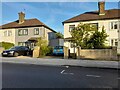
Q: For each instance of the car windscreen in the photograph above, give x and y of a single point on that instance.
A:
(15, 48)
(58, 47)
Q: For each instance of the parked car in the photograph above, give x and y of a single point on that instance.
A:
(58, 50)
(16, 51)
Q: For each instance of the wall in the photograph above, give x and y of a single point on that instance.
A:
(30, 34)
(118, 49)
(107, 54)
(1, 49)
(47, 31)
(15, 38)
(10, 39)
(56, 42)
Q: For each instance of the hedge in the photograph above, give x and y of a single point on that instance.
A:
(6, 45)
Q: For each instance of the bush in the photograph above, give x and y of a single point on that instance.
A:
(44, 48)
(50, 50)
(6, 45)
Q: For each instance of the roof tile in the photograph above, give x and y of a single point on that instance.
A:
(93, 15)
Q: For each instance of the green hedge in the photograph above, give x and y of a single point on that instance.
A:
(6, 45)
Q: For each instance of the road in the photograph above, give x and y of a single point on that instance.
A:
(36, 76)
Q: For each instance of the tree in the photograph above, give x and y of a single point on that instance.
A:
(81, 34)
(97, 40)
(59, 35)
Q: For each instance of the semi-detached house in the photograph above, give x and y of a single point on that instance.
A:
(107, 18)
(25, 31)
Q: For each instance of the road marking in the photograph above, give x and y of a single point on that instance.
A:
(67, 66)
(93, 76)
(69, 73)
(62, 71)
(118, 78)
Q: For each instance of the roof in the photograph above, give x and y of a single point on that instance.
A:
(94, 15)
(68, 39)
(27, 23)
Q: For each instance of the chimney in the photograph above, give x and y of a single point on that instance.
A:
(21, 17)
(101, 7)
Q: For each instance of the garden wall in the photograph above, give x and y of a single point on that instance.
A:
(106, 54)
(1, 49)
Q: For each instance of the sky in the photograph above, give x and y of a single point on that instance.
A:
(50, 13)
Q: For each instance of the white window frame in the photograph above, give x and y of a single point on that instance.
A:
(112, 25)
(36, 31)
(7, 33)
(71, 27)
(114, 41)
(22, 32)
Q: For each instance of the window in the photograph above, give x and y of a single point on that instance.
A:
(111, 42)
(114, 25)
(36, 31)
(21, 43)
(72, 45)
(7, 33)
(22, 32)
(114, 42)
(95, 25)
(71, 27)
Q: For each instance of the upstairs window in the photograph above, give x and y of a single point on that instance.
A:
(22, 32)
(71, 27)
(7, 33)
(36, 31)
(94, 25)
(114, 25)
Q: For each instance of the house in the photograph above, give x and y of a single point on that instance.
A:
(25, 31)
(107, 18)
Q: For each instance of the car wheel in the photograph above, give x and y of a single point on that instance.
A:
(27, 53)
(16, 54)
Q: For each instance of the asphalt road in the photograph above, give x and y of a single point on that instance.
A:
(36, 76)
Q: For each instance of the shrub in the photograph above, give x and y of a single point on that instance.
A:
(50, 50)
(6, 45)
(44, 48)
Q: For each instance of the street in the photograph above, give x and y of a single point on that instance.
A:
(40, 76)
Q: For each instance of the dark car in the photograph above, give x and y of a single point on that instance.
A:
(16, 51)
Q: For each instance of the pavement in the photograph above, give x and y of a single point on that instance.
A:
(61, 62)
